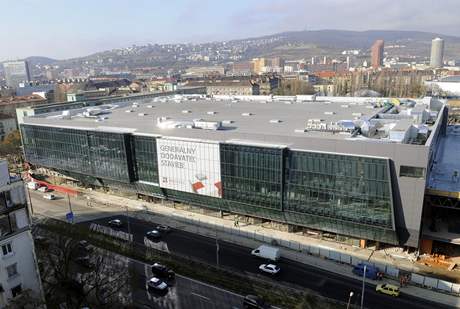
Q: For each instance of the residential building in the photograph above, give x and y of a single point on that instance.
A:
(16, 73)
(437, 53)
(8, 105)
(323, 164)
(7, 125)
(377, 54)
(18, 264)
(258, 65)
(205, 71)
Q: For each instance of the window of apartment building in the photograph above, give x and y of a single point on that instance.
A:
(12, 270)
(6, 249)
(411, 171)
(5, 199)
(16, 290)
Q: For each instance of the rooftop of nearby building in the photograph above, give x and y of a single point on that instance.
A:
(278, 120)
(445, 173)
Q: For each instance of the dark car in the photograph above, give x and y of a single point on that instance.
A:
(115, 223)
(162, 271)
(153, 234)
(254, 302)
(163, 228)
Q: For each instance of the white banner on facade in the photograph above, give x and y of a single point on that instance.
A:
(189, 166)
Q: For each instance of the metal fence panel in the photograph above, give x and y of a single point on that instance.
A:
(431, 282)
(418, 279)
(345, 258)
(324, 252)
(314, 250)
(445, 285)
(334, 255)
(456, 288)
(392, 271)
(355, 261)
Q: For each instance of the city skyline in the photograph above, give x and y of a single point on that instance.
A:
(48, 33)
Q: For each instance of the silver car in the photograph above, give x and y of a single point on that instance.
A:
(156, 284)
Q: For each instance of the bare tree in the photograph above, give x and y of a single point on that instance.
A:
(100, 282)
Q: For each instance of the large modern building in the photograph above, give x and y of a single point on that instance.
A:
(354, 167)
(437, 53)
(18, 265)
(377, 54)
(16, 72)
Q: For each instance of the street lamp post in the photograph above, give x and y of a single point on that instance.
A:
(364, 282)
(349, 299)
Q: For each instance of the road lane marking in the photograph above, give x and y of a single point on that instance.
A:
(201, 296)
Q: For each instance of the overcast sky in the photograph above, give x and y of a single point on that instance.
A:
(63, 29)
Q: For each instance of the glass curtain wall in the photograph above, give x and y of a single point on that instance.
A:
(252, 175)
(341, 194)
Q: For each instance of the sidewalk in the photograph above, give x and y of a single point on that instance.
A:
(211, 226)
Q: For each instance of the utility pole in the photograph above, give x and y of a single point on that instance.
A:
(217, 249)
(364, 282)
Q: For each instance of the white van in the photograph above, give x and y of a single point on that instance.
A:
(33, 185)
(267, 252)
(43, 189)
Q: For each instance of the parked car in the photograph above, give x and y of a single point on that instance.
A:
(388, 289)
(254, 302)
(43, 189)
(49, 197)
(115, 223)
(271, 269)
(162, 271)
(153, 234)
(163, 228)
(156, 284)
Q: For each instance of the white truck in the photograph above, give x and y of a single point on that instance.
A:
(267, 252)
(33, 185)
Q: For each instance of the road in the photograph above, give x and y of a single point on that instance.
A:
(325, 283)
(183, 293)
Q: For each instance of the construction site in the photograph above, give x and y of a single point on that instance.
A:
(440, 243)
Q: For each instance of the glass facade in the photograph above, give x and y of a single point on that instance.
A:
(338, 193)
(97, 154)
(145, 154)
(343, 194)
(252, 175)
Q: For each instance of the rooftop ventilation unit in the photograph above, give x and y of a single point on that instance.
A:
(207, 125)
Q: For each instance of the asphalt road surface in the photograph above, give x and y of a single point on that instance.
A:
(328, 284)
(182, 293)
